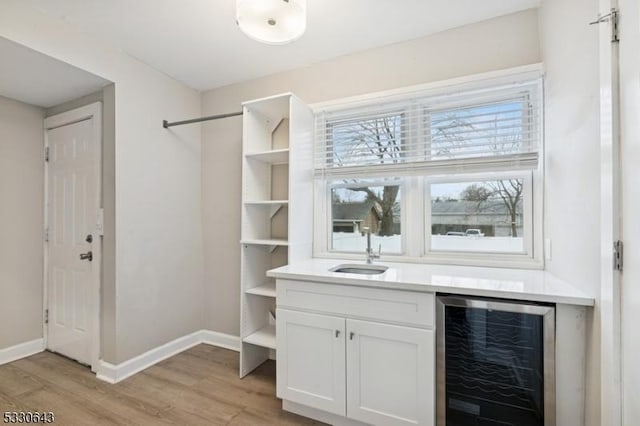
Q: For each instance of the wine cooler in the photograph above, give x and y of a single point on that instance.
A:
(495, 362)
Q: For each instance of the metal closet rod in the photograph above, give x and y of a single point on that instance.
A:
(166, 124)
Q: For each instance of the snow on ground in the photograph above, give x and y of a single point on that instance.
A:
(354, 242)
(481, 244)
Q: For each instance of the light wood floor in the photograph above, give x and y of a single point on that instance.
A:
(197, 387)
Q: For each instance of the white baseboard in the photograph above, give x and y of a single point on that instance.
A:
(115, 373)
(22, 350)
(221, 340)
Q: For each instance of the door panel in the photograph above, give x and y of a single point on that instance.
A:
(630, 206)
(72, 209)
(311, 360)
(390, 374)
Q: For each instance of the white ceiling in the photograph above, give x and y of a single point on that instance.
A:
(31, 77)
(198, 43)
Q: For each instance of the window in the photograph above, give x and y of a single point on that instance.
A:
(449, 177)
(491, 129)
(360, 206)
(478, 216)
(364, 141)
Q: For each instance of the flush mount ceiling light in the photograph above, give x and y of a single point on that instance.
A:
(272, 21)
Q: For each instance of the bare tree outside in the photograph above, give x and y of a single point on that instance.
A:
(385, 202)
(477, 131)
(475, 192)
(483, 131)
(509, 191)
(377, 141)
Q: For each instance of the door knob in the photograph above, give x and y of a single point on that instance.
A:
(86, 256)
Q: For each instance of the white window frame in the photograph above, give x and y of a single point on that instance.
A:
(415, 201)
(402, 182)
(532, 202)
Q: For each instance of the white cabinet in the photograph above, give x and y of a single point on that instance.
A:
(311, 360)
(276, 177)
(390, 374)
(342, 359)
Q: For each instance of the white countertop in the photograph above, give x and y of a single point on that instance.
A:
(520, 284)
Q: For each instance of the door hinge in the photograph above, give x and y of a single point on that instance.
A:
(46, 154)
(46, 234)
(46, 316)
(614, 18)
(618, 255)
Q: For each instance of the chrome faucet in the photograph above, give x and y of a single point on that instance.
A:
(369, 252)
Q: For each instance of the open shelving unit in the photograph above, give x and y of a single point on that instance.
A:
(277, 173)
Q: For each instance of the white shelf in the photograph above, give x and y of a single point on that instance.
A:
(276, 156)
(270, 242)
(265, 337)
(267, 289)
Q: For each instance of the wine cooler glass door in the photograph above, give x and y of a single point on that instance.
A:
(495, 363)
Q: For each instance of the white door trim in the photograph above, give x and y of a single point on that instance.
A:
(87, 112)
(610, 224)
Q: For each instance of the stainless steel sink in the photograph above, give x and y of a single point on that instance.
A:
(349, 268)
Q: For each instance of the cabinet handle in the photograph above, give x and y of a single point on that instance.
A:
(337, 333)
(351, 335)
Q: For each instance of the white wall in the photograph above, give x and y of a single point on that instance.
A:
(499, 43)
(21, 221)
(572, 160)
(159, 268)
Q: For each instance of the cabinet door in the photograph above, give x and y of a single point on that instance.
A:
(390, 374)
(311, 360)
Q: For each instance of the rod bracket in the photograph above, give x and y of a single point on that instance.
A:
(613, 17)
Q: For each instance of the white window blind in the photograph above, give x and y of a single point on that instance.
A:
(492, 129)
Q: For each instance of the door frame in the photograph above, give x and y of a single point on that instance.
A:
(610, 224)
(87, 112)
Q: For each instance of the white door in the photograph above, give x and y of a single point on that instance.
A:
(390, 374)
(311, 360)
(610, 282)
(630, 206)
(73, 199)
